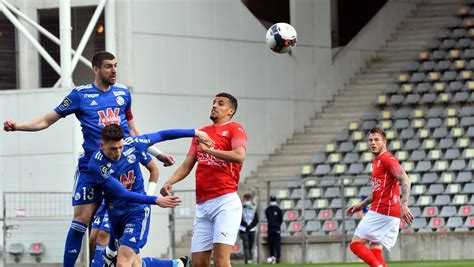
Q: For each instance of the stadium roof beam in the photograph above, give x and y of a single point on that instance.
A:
(84, 39)
(32, 39)
(45, 32)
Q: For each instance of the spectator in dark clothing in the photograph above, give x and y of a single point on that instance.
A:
(248, 225)
(275, 218)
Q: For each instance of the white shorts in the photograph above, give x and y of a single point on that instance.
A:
(378, 229)
(217, 221)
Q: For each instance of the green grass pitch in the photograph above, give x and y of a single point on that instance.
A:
(463, 263)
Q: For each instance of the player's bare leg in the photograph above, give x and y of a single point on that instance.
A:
(126, 257)
(202, 259)
(92, 243)
(84, 213)
(222, 255)
(138, 261)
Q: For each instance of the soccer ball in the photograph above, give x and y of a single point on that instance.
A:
(281, 37)
(271, 260)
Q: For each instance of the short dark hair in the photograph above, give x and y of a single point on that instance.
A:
(101, 56)
(231, 98)
(111, 132)
(248, 196)
(378, 129)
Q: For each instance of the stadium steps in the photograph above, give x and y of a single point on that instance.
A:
(356, 98)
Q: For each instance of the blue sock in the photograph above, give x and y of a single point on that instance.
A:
(98, 260)
(155, 262)
(73, 244)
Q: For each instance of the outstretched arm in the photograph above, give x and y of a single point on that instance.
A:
(34, 125)
(235, 155)
(183, 170)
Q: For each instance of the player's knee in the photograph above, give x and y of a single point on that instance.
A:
(103, 238)
(221, 261)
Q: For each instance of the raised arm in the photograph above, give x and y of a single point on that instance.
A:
(154, 173)
(34, 125)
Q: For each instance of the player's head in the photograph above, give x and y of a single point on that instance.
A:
(111, 141)
(104, 65)
(224, 107)
(248, 197)
(377, 140)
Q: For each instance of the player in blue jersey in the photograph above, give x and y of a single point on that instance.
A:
(95, 105)
(117, 159)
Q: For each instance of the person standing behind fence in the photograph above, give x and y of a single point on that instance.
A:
(275, 218)
(379, 227)
(248, 225)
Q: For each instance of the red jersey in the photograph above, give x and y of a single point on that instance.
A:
(385, 185)
(216, 177)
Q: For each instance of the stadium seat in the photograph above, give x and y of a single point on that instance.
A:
(287, 204)
(325, 214)
(453, 189)
(296, 193)
(418, 223)
(307, 204)
(16, 250)
(313, 226)
(332, 192)
(435, 189)
(468, 188)
(336, 203)
(418, 190)
(430, 211)
(459, 200)
(424, 201)
(309, 214)
(429, 178)
(315, 193)
(454, 222)
(436, 222)
(448, 211)
(330, 225)
(442, 200)
(463, 177)
(295, 227)
(466, 211)
(423, 166)
(457, 165)
(320, 204)
(469, 222)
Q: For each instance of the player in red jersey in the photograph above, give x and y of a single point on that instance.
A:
(380, 225)
(218, 208)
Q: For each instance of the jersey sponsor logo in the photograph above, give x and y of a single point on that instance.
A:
(210, 159)
(93, 103)
(128, 179)
(376, 185)
(120, 100)
(109, 116)
(91, 95)
(131, 158)
(119, 93)
(66, 103)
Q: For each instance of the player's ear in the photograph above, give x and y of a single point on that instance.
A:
(101, 144)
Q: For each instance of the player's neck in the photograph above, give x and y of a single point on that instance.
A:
(101, 86)
(218, 122)
(381, 152)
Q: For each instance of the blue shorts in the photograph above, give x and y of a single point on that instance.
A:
(101, 219)
(131, 229)
(85, 190)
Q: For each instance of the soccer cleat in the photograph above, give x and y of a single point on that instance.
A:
(185, 261)
(109, 261)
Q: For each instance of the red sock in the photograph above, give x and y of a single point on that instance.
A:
(379, 256)
(364, 253)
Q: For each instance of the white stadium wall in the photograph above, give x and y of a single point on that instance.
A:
(176, 55)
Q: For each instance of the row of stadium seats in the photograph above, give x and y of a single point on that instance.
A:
(428, 115)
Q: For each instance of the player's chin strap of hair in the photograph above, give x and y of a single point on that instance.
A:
(155, 152)
(151, 188)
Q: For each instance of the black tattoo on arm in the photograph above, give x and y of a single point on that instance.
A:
(405, 185)
(367, 201)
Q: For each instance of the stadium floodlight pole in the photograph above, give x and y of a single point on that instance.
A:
(87, 33)
(65, 37)
(110, 30)
(30, 37)
(42, 30)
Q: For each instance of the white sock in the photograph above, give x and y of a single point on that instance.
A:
(110, 253)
